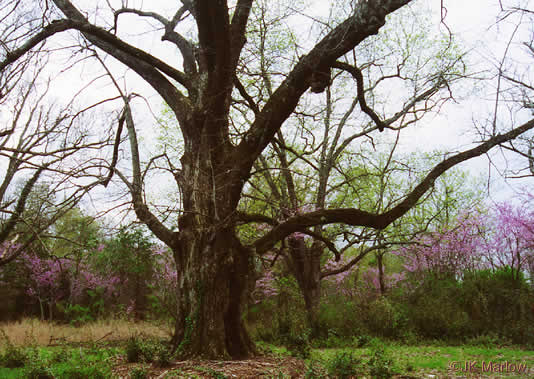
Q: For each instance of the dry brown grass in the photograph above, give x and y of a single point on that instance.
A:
(43, 333)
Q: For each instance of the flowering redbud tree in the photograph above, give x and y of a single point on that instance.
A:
(164, 283)
(52, 280)
(504, 237)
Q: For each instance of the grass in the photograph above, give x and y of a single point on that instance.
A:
(33, 332)
(440, 360)
(63, 362)
(66, 351)
(99, 349)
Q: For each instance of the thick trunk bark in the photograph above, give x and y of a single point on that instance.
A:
(213, 266)
(214, 272)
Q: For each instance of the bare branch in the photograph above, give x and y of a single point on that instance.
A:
(367, 20)
(356, 217)
(357, 74)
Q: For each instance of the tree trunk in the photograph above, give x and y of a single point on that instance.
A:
(41, 308)
(381, 274)
(213, 287)
(312, 296)
(213, 267)
(51, 311)
(305, 264)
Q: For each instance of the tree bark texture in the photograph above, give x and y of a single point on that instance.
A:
(213, 287)
(214, 267)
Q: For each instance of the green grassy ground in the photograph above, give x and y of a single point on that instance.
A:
(413, 361)
(449, 360)
(65, 362)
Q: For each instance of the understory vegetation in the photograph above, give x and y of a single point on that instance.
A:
(484, 306)
(144, 353)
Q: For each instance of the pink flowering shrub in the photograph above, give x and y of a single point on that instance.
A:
(371, 281)
(164, 283)
(60, 280)
(503, 238)
(266, 287)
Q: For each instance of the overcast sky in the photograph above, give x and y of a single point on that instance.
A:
(473, 21)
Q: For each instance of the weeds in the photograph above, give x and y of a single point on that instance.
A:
(381, 362)
(133, 350)
(149, 351)
(344, 365)
(313, 371)
(299, 346)
(138, 373)
(13, 356)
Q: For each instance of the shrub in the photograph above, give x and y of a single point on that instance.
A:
(163, 355)
(382, 317)
(133, 350)
(58, 356)
(381, 363)
(362, 340)
(486, 340)
(38, 371)
(313, 371)
(339, 315)
(146, 350)
(77, 314)
(498, 300)
(35, 367)
(435, 311)
(13, 356)
(344, 365)
(83, 372)
(299, 346)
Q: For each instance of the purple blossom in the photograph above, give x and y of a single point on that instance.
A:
(504, 237)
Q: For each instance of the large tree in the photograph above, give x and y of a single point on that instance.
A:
(214, 266)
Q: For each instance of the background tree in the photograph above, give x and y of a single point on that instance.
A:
(214, 267)
(130, 256)
(40, 138)
(477, 267)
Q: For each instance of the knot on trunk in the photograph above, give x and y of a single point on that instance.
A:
(320, 79)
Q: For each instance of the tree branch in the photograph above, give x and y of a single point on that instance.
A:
(356, 217)
(8, 227)
(239, 28)
(136, 189)
(185, 46)
(214, 37)
(368, 18)
(357, 75)
(353, 261)
(148, 71)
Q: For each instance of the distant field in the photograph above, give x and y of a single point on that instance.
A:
(35, 332)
